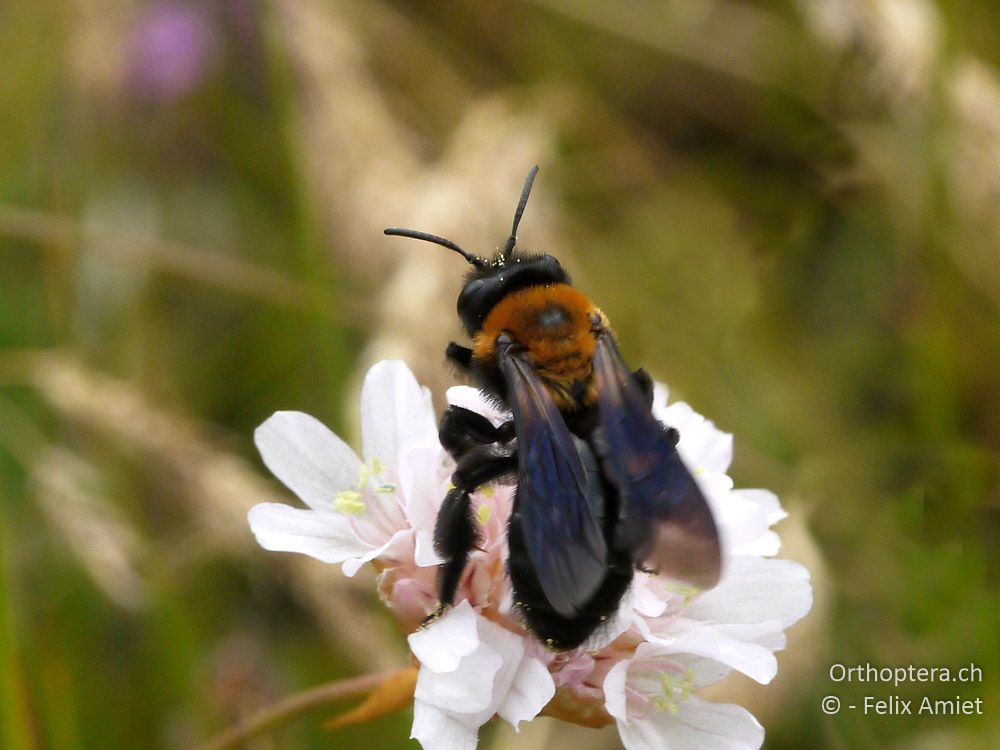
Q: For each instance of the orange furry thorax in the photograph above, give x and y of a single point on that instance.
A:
(553, 324)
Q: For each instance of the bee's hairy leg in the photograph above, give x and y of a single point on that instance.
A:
(456, 533)
(460, 356)
(461, 430)
(645, 383)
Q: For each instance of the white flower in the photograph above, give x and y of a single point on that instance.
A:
(471, 669)
(477, 660)
(359, 511)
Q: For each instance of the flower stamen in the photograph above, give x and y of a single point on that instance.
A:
(676, 690)
(350, 502)
(681, 589)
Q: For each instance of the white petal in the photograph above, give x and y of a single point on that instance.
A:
(307, 457)
(443, 644)
(396, 413)
(660, 395)
(770, 634)
(766, 545)
(472, 668)
(424, 554)
(740, 520)
(652, 660)
(468, 691)
(767, 507)
(702, 445)
(615, 700)
(754, 590)
(325, 536)
(435, 729)
(649, 595)
(755, 661)
(768, 503)
(399, 547)
(423, 493)
(697, 725)
(530, 691)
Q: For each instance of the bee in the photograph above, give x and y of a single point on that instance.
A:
(601, 490)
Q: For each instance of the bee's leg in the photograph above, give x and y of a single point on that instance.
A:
(455, 535)
(461, 430)
(641, 378)
(460, 356)
(455, 532)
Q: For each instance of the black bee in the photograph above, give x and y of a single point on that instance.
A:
(601, 490)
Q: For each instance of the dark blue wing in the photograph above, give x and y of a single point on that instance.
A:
(559, 494)
(665, 521)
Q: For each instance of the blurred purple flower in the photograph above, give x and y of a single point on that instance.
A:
(171, 50)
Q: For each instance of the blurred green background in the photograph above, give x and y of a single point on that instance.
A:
(789, 209)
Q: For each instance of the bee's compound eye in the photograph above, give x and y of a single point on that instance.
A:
(470, 291)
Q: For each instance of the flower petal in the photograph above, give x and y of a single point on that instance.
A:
(443, 644)
(441, 730)
(307, 457)
(696, 724)
(325, 536)
(754, 590)
(328, 537)
(530, 691)
(472, 668)
(703, 446)
(741, 521)
(756, 662)
(763, 510)
(766, 545)
(468, 692)
(396, 413)
(424, 492)
(392, 550)
(615, 699)
(768, 502)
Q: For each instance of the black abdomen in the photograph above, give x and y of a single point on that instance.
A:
(555, 630)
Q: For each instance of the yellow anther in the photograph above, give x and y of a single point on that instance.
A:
(681, 589)
(349, 501)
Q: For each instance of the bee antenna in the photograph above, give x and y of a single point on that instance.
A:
(413, 234)
(512, 240)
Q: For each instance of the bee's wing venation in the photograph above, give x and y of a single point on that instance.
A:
(560, 498)
(665, 521)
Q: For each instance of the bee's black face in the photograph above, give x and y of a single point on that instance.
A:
(488, 285)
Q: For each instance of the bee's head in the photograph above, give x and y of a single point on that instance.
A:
(493, 279)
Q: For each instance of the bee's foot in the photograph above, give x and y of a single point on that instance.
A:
(433, 616)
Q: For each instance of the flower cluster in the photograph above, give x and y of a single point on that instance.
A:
(477, 661)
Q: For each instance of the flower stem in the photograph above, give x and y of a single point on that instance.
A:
(294, 706)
